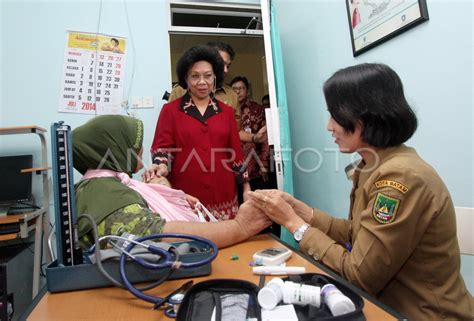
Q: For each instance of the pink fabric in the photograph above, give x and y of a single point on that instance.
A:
(170, 203)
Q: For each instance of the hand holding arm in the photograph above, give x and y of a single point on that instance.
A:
(257, 138)
(277, 209)
(300, 208)
(248, 222)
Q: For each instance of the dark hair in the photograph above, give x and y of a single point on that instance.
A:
(242, 79)
(267, 96)
(200, 53)
(372, 94)
(223, 47)
(114, 40)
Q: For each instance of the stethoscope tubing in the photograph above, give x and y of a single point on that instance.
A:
(169, 262)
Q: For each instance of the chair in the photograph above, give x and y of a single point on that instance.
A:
(465, 227)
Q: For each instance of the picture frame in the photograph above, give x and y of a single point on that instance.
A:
(372, 22)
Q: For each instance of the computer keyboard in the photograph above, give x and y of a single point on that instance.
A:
(17, 209)
(9, 228)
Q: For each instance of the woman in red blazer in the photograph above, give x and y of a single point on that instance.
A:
(196, 144)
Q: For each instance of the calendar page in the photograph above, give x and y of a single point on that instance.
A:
(93, 73)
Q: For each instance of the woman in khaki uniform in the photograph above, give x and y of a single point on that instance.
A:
(399, 242)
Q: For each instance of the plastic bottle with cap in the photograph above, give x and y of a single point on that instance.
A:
(337, 302)
(271, 294)
(301, 294)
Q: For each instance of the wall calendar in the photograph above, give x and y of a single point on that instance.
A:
(93, 73)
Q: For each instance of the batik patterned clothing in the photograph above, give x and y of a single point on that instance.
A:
(256, 155)
(202, 152)
(134, 219)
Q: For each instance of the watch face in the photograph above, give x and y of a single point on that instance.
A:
(298, 235)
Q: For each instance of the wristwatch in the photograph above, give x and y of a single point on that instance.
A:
(299, 233)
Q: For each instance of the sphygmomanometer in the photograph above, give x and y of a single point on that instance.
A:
(142, 251)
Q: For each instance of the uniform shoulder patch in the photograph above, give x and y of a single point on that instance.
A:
(385, 208)
(393, 184)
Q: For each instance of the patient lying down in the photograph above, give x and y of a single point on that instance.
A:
(107, 151)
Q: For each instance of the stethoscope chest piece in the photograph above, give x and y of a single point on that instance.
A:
(173, 305)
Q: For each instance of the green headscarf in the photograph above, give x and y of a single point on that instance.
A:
(106, 142)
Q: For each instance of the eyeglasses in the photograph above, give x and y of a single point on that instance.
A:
(239, 88)
(195, 78)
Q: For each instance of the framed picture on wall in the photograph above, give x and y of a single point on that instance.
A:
(373, 22)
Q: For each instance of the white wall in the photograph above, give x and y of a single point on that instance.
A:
(33, 39)
(435, 62)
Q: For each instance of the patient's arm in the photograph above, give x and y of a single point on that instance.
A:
(248, 222)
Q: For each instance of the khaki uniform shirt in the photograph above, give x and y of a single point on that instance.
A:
(225, 94)
(400, 239)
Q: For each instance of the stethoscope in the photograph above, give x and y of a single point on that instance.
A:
(169, 259)
(173, 300)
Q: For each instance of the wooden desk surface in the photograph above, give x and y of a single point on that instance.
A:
(21, 129)
(9, 219)
(12, 218)
(28, 218)
(116, 304)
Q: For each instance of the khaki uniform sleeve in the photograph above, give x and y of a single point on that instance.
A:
(337, 229)
(229, 97)
(176, 93)
(379, 249)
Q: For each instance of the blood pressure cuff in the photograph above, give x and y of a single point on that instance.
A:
(226, 299)
(309, 312)
(233, 299)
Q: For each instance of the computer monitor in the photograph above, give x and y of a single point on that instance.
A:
(15, 186)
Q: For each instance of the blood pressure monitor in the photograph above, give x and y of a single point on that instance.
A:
(272, 256)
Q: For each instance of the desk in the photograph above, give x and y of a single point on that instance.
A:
(39, 217)
(27, 222)
(116, 304)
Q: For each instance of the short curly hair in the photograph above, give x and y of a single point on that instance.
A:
(372, 94)
(196, 54)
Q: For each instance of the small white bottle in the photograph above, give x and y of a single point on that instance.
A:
(301, 294)
(337, 302)
(271, 294)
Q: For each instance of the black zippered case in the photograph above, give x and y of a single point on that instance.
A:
(202, 298)
(309, 312)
